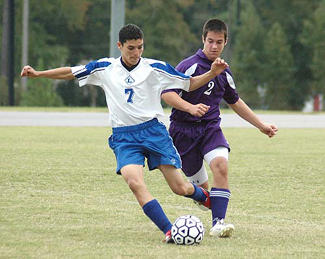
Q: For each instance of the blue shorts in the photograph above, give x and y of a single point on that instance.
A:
(131, 144)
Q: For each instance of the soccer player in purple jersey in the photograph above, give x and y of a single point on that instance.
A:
(195, 123)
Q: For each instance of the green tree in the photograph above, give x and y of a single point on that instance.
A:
(278, 70)
(248, 56)
(50, 22)
(166, 33)
(40, 92)
(86, 43)
(313, 37)
(73, 32)
(290, 15)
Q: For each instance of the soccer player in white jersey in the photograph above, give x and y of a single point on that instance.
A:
(133, 86)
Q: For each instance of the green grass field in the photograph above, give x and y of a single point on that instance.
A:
(60, 198)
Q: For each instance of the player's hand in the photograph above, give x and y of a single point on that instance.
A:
(28, 71)
(269, 130)
(199, 110)
(218, 66)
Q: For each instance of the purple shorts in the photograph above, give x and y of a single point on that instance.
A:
(194, 140)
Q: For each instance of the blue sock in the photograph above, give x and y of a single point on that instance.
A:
(219, 203)
(197, 195)
(155, 212)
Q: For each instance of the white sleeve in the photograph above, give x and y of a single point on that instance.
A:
(175, 83)
(87, 74)
(170, 78)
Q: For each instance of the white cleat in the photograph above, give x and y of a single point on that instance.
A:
(221, 229)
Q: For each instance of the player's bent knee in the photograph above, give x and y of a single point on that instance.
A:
(219, 166)
(135, 185)
(180, 189)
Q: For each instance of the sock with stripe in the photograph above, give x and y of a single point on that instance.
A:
(219, 202)
(197, 195)
(155, 212)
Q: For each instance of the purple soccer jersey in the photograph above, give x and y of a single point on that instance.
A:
(221, 87)
(193, 136)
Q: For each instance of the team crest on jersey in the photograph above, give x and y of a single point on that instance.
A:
(129, 80)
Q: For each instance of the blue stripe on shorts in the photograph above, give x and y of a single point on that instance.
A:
(132, 144)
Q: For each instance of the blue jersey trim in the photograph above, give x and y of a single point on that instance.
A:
(92, 67)
(169, 69)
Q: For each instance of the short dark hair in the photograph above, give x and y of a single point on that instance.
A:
(130, 32)
(215, 25)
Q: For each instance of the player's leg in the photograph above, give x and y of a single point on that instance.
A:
(187, 140)
(193, 167)
(215, 149)
(199, 177)
(180, 186)
(127, 144)
(133, 176)
(219, 193)
(161, 153)
(219, 168)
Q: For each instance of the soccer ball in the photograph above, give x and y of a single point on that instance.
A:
(187, 230)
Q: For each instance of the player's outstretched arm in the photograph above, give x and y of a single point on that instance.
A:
(56, 73)
(174, 100)
(217, 67)
(241, 108)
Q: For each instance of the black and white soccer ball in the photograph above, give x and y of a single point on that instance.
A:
(187, 230)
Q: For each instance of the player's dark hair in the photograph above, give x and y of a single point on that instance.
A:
(214, 25)
(130, 32)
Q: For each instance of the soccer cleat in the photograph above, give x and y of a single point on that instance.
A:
(168, 237)
(221, 229)
(204, 205)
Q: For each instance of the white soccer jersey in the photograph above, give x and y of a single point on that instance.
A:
(132, 97)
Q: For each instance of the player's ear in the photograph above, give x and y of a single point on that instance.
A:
(203, 39)
(119, 45)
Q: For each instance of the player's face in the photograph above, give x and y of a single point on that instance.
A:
(213, 44)
(131, 51)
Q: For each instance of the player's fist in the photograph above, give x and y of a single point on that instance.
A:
(269, 130)
(199, 110)
(28, 71)
(218, 66)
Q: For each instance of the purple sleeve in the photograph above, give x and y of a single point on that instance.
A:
(230, 96)
(182, 66)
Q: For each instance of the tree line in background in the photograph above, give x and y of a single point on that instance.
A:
(276, 49)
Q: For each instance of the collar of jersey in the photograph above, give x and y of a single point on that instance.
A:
(127, 67)
(201, 54)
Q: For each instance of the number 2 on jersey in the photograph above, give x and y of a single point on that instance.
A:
(130, 92)
(210, 86)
